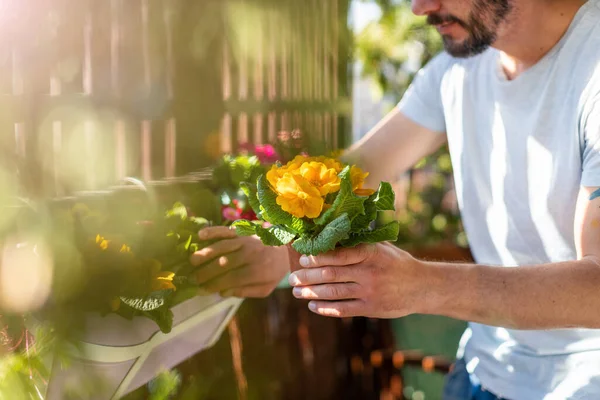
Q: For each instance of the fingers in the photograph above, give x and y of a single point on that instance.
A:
(215, 250)
(317, 276)
(340, 291)
(217, 232)
(251, 291)
(339, 257)
(339, 309)
(219, 266)
(236, 278)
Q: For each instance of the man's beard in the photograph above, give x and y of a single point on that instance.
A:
(481, 27)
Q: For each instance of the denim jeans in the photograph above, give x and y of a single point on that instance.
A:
(459, 386)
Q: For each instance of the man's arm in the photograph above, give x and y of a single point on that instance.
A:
(556, 295)
(394, 145)
(384, 281)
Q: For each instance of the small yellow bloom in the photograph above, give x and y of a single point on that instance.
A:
(163, 280)
(101, 242)
(323, 178)
(159, 280)
(125, 249)
(299, 197)
(357, 177)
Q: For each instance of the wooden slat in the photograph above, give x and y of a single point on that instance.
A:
(335, 19)
(327, 40)
(168, 17)
(170, 147)
(99, 28)
(115, 41)
(131, 55)
(274, 58)
(158, 143)
(120, 149)
(68, 47)
(226, 144)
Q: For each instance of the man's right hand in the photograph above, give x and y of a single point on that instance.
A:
(239, 266)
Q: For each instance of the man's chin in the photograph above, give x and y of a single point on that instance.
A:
(463, 48)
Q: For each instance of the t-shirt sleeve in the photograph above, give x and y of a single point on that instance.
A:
(591, 145)
(422, 102)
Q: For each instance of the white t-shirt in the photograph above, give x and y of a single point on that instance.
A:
(520, 150)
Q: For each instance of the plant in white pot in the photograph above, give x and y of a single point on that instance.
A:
(121, 294)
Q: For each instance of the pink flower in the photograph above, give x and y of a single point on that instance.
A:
(266, 153)
(230, 213)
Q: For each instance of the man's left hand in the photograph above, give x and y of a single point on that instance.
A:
(379, 281)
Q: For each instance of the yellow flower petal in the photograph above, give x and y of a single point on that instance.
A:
(275, 174)
(364, 192)
(163, 280)
(331, 163)
(299, 197)
(358, 176)
(323, 178)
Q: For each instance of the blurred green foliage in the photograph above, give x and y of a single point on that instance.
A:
(391, 50)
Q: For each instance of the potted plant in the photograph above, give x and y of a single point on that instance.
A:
(122, 306)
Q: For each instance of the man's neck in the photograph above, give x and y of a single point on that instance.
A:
(535, 28)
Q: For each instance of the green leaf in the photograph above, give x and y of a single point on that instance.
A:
(178, 210)
(188, 243)
(273, 213)
(251, 193)
(275, 235)
(388, 232)
(385, 198)
(201, 222)
(146, 303)
(336, 231)
(163, 316)
(346, 202)
(362, 222)
(244, 227)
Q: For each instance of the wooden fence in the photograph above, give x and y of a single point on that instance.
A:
(92, 91)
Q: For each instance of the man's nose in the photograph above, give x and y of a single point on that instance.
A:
(425, 7)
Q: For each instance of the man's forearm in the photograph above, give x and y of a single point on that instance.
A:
(392, 147)
(548, 296)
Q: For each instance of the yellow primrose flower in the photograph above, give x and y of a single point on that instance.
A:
(357, 176)
(101, 242)
(125, 249)
(163, 280)
(323, 178)
(298, 196)
(160, 280)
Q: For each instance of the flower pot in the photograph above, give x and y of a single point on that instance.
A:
(117, 356)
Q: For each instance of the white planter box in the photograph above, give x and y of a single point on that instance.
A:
(125, 355)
